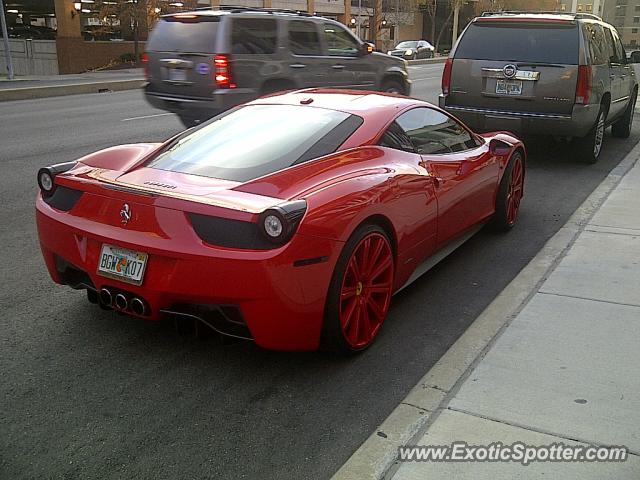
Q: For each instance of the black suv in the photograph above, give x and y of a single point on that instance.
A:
(201, 63)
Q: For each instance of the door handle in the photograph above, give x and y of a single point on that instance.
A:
(337, 67)
(437, 181)
(298, 65)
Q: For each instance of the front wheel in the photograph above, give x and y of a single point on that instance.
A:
(392, 86)
(510, 194)
(360, 291)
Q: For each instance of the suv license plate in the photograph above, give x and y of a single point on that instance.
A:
(509, 87)
(122, 264)
(177, 75)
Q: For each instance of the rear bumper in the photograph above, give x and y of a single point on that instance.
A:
(281, 304)
(577, 124)
(200, 108)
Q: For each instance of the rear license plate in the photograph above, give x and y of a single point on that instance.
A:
(177, 75)
(509, 87)
(122, 264)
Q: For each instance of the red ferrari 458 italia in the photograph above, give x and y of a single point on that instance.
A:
(290, 221)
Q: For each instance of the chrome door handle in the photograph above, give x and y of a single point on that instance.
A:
(337, 67)
(298, 65)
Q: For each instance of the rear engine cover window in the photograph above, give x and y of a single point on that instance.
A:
(189, 35)
(254, 35)
(518, 42)
(257, 140)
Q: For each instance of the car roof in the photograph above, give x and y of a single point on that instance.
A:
(357, 102)
(551, 17)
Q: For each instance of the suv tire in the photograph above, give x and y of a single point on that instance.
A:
(588, 148)
(392, 86)
(622, 128)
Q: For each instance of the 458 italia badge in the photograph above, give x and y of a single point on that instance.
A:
(125, 214)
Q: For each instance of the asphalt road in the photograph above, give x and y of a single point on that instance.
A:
(85, 393)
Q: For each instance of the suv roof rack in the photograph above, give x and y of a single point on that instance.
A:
(242, 9)
(543, 12)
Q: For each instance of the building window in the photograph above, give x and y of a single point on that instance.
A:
(579, 7)
(634, 42)
(634, 30)
(563, 7)
(636, 19)
(589, 7)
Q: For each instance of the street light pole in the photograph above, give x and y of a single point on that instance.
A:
(5, 37)
(359, 29)
(456, 15)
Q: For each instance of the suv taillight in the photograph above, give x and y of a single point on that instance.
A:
(145, 64)
(446, 76)
(222, 72)
(583, 85)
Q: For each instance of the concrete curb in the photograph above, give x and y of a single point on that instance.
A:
(24, 93)
(377, 456)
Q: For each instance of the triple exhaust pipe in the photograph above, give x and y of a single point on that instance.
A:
(121, 302)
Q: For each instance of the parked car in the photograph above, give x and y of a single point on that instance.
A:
(552, 74)
(413, 49)
(290, 221)
(202, 63)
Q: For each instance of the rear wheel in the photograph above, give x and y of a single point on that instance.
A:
(588, 148)
(622, 128)
(360, 291)
(188, 121)
(510, 194)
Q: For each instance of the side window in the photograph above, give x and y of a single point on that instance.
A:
(254, 35)
(611, 49)
(620, 53)
(594, 35)
(433, 132)
(304, 38)
(340, 43)
(395, 137)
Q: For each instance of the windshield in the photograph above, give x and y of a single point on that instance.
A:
(407, 45)
(187, 35)
(516, 42)
(256, 140)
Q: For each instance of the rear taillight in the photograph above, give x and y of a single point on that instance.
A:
(583, 85)
(222, 72)
(145, 64)
(446, 76)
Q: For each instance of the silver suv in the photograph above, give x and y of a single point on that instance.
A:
(201, 63)
(542, 73)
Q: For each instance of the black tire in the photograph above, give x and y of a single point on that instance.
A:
(275, 87)
(501, 221)
(333, 339)
(622, 128)
(392, 86)
(588, 148)
(188, 121)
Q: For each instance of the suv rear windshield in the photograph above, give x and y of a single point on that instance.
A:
(184, 35)
(257, 140)
(518, 42)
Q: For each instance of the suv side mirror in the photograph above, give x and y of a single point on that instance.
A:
(499, 148)
(367, 48)
(634, 57)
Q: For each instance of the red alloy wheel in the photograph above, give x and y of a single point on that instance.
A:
(514, 195)
(366, 290)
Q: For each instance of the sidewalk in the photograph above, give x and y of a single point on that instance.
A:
(25, 87)
(563, 367)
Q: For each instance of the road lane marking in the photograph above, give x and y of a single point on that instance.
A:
(146, 116)
(424, 78)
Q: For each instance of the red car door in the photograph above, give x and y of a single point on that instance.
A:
(465, 172)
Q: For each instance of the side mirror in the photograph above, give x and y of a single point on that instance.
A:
(499, 148)
(634, 57)
(367, 48)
